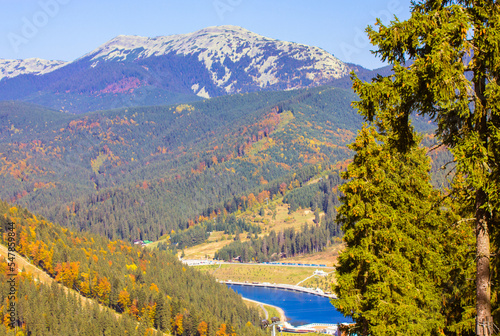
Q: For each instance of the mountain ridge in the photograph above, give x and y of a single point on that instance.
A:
(207, 152)
(34, 66)
(215, 61)
(215, 45)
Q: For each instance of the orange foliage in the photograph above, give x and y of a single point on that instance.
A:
(112, 247)
(43, 185)
(201, 167)
(221, 331)
(177, 325)
(103, 290)
(261, 197)
(342, 165)
(124, 300)
(203, 328)
(67, 273)
(134, 311)
(40, 255)
(154, 287)
(162, 150)
(251, 200)
(143, 264)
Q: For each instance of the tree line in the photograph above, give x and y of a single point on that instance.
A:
(285, 244)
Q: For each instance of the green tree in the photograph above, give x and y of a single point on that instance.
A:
(390, 276)
(446, 62)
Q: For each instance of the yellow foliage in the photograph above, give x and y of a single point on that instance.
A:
(183, 107)
(154, 287)
(98, 162)
(132, 267)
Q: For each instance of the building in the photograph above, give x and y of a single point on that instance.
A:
(321, 273)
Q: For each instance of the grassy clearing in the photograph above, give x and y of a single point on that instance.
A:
(215, 242)
(252, 304)
(277, 217)
(259, 273)
(322, 282)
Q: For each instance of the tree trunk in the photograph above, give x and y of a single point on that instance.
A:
(484, 321)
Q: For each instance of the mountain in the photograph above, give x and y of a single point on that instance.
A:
(29, 66)
(362, 73)
(235, 59)
(135, 71)
(142, 172)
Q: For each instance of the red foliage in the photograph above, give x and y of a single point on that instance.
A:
(122, 86)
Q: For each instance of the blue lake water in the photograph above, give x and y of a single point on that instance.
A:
(300, 308)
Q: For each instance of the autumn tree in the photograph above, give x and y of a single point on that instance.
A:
(177, 324)
(446, 67)
(222, 330)
(124, 300)
(203, 328)
(67, 273)
(103, 290)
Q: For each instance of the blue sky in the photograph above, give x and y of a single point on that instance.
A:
(67, 29)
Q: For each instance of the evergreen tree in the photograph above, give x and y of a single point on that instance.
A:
(390, 275)
(446, 62)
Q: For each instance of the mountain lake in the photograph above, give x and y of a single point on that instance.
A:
(300, 308)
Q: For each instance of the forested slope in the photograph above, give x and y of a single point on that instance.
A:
(152, 288)
(141, 172)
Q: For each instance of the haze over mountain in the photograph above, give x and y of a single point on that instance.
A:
(134, 70)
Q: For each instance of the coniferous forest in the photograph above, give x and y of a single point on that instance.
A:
(290, 242)
(139, 173)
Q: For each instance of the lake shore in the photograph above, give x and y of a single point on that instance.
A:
(262, 304)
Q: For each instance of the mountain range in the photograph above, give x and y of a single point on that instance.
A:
(143, 150)
(156, 167)
(135, 71)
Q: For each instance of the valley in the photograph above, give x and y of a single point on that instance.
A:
(150, 180)
(252, 175)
